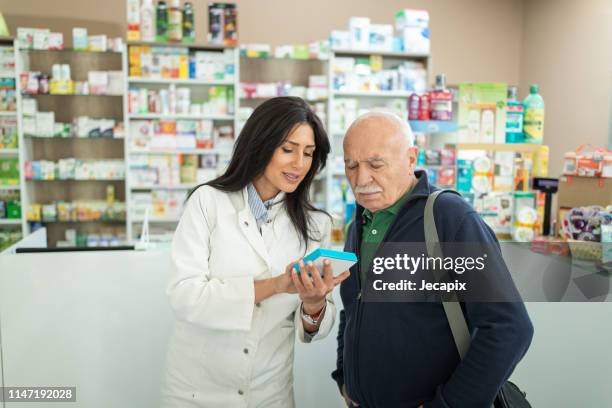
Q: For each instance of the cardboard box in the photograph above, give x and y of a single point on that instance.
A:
(577, 191)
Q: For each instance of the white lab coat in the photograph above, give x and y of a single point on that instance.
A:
(226, 351)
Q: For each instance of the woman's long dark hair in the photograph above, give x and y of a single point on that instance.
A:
(265, 131)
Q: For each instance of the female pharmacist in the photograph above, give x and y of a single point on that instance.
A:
(237, 300)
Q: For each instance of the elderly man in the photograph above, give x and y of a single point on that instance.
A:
(394, 354)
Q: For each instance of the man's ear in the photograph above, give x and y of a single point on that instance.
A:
(413, 152)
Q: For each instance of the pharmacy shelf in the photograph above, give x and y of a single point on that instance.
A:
(264, 98)
(158, 220)
(14, 153)
(177, 187)
(80, 221)
(433, 166)
(273, 58)
(153, 116)
(177, 81)
(39, 137)
(499, 147)
(65, 106)
(74, 179)
(71, 50)
(197, 85)
(367, 97)
(433, 126)
(10, 221)
(193, 46)
(373, 94)
(174, 151)
(36, 95)
(384, 54)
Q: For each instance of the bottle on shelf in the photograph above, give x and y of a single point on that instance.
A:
(133, 20)
(441, 100)
(424, 107)
(188, 23)
(161, 21)
(147, 21)
(413, 107)
(175, 22)
(534, 116)
(515, 113)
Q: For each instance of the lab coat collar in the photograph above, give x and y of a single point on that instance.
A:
(249, 225)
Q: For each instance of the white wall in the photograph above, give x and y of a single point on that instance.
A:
(567, 50)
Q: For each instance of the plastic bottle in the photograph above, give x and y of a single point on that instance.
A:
(175, 22)
(424, 107)
(188, 23)
(147, 21)
(133, 20)
(441, 100)
(534, 116)
(413, 107)
(161, 21)
(515, 113)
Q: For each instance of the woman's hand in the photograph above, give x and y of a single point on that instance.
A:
(283, 283)
(313, 288)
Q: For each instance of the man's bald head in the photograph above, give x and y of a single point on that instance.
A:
(385, 125)
(380, 158)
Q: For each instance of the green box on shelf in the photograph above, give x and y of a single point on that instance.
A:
(9, 171)
(301, 52)
(8, 140)
(13, 210)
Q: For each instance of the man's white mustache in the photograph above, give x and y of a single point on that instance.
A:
(367, 189)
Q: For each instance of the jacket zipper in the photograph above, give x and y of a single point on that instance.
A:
(360, 296)
(360, 310)
(357, 325)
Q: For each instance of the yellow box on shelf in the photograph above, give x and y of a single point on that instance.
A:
(61, 87)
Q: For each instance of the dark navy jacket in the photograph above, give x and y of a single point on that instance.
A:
(403, 354)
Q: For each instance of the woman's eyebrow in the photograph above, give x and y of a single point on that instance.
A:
(297, 144)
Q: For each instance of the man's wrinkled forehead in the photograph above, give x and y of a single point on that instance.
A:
(371, 142)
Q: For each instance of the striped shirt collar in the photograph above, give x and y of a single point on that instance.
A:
(258, 207)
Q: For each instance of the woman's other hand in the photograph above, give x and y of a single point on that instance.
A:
(312, 287)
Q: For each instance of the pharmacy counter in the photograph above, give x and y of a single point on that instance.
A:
(100, 321)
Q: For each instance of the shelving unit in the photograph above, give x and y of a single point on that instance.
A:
(295, 72)
(175, 151)
(10, 188)
(178, 187)
(500, 147)
(177, 81)
(372, 94)
(66, 108)
(169, 116)
(433, 126)
(15, 227)
(197, 87)
(367, 100)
